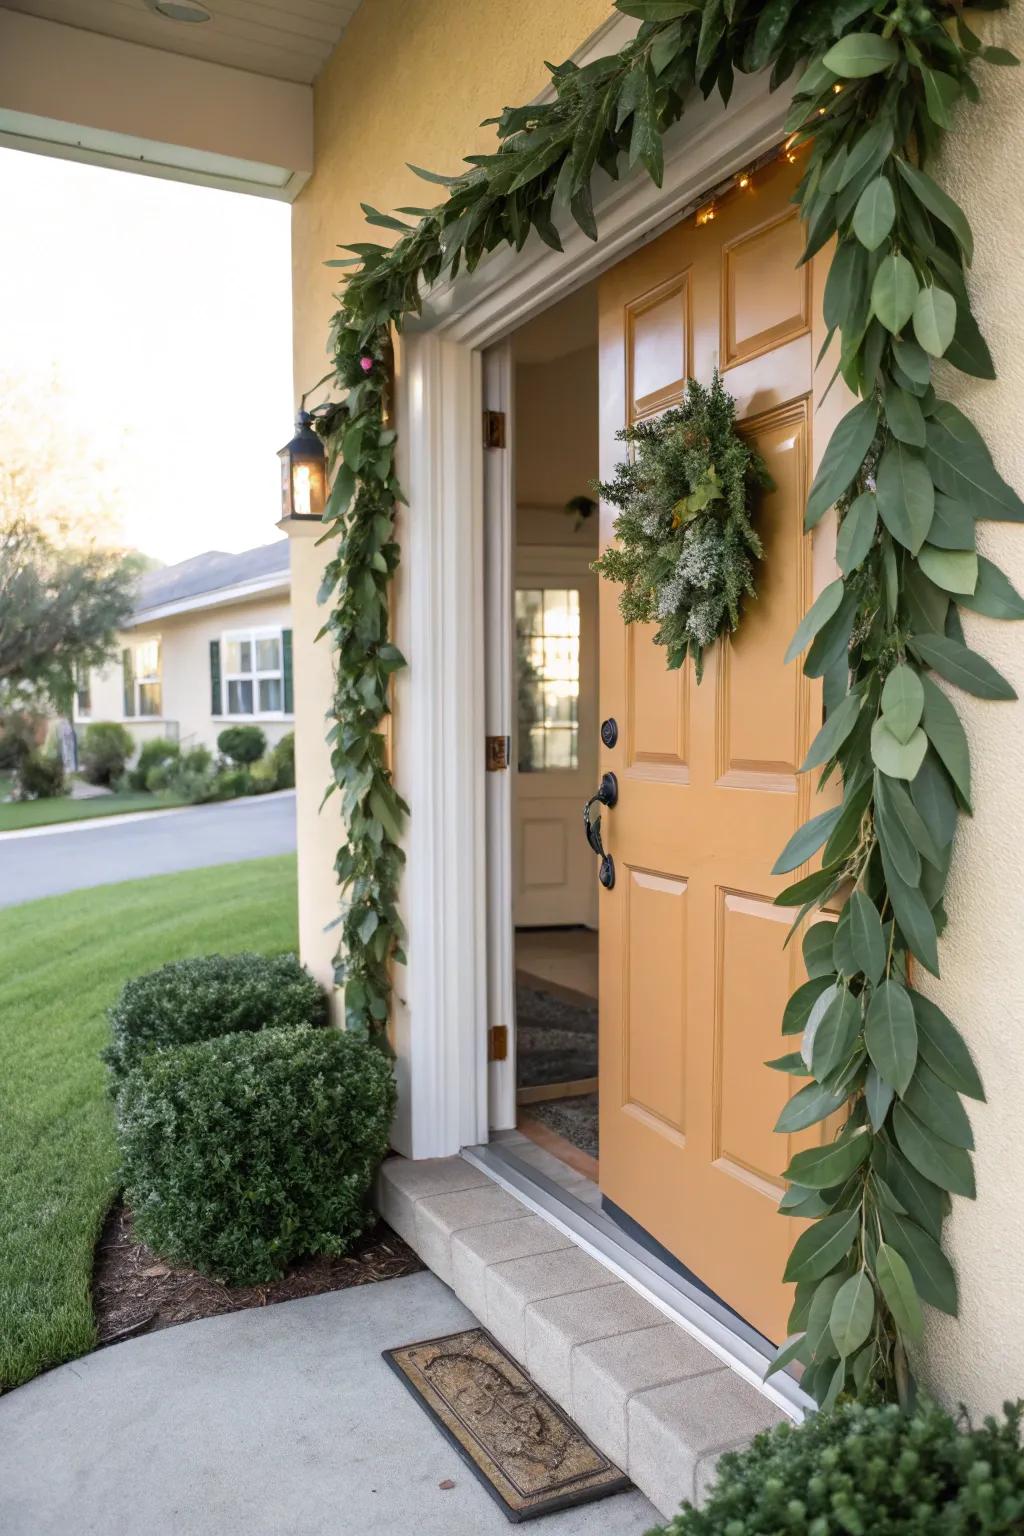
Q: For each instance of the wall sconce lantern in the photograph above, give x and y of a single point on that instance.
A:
(303, 472)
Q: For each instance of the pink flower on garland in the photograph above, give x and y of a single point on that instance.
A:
(366, 364)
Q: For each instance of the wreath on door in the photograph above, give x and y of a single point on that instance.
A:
(687, 545)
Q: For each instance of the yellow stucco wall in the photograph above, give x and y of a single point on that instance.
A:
(980, 1357)
(410, 81)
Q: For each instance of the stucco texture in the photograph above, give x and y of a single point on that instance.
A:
(411, 80)
(979, 1358)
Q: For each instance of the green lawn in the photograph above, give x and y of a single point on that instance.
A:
(15, 814)
(62, 961)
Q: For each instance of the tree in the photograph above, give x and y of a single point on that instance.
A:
(60, 609)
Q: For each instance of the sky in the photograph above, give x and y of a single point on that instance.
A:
(157, 317)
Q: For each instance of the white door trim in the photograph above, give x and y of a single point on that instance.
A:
(457, 853)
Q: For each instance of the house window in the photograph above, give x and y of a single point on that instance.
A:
(143, 693)
(83, 692)
(548, 677)
(254, 672)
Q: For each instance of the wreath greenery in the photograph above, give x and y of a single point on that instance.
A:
(686, 542)
(879, 85)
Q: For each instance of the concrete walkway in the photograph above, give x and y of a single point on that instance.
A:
(45, 861)
(282, 1421)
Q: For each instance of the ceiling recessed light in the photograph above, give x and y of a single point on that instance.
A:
(180, 10)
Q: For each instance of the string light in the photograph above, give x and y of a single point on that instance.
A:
(743, 180)
(706, 214)
(787, 148)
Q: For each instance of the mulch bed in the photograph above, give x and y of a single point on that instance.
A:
(134, 1291)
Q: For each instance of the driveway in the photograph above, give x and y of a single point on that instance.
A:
(46, 861)
(280, 1421)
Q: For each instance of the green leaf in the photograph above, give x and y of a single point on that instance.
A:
(894, 292)
(846, 285)
(856, 532)
(940, 204)
(953, 524)
(896, 804)
(817, 616)
(820, 1248)
(903, 702)
(938, 1106)
(904, 416)
(961, 666)
(875, 214)
(934, 319)
(931, 1271)
(814, 1018)
(945, 1165)
(816, 948)
(645, 143)
(946, 734)
(820, 1342)
(811, 1104)
(897, 1286)
(866, 938)
(860, 54)
(833, 733)
(806, 1204)
(899, 759)
(792, 1349)
(878, 1097)
(941, 92)
(806, 840)
(954, 570)
(913, 916)
(770, 26)
(913, 360)
(906, 495)
(846, 451)
(961, 465)
(834, 1039)
(853, 1313)
(993, 595)
(793, 1064)
(798, 1008)
(383, 813)
(824, 1167)
(943, 1047)
(890, 1034)
(869, 151)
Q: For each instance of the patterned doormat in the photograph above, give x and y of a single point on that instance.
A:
(556, 1042)
(531, 1459)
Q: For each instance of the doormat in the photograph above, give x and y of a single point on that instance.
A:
(531, 1458)
(556, 1042)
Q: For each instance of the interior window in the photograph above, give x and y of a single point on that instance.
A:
(548, 677)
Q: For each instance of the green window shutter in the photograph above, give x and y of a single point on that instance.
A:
(286, 655)
(128, 671)
(216, 703)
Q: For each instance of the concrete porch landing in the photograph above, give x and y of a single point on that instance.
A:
(648, 1394)
(280, 1421)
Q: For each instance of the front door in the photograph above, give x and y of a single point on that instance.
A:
(694, 976)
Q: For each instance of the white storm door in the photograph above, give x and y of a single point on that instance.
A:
(555, 742)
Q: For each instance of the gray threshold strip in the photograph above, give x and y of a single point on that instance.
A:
(734, 1342)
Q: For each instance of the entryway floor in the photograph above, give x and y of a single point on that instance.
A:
(559, 957)
(280, 1421)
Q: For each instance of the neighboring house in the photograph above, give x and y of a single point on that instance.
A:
(570, 346)
(209, 645)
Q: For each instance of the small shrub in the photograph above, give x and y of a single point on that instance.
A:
(157, 753)
(242, 743)
(870, 1471)
(20, 735)
(283, 756)
(197, 759)
(229, 783)
(242, 1154)
(263, 776)
(210, 995)
(104, 750)
(191, 777)
(159, 777)
(40, 776)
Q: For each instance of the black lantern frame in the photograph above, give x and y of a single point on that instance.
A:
(303, 473)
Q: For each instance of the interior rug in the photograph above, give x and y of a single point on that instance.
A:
(556, 1042)
(531, 1458)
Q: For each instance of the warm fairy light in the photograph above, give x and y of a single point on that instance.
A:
(787, 148)
(706, 214)
(743, 180)
(836, 89)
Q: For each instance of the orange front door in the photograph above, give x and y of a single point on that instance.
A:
(694, 977)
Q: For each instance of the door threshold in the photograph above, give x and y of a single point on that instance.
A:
(708, 1320)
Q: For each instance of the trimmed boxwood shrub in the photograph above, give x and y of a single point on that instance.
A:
(103, 752)
(210, 995)
(154, 754)
(869, 1471)
(242, 743)
(243, 1154)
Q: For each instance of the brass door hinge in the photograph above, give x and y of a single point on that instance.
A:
(497, 1043)
(494, 429)
(498, 751)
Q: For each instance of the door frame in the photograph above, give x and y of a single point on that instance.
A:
(453, 622)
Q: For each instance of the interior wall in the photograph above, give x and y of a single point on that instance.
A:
(556, 447)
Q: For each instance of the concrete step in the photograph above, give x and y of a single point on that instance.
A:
(648, 1394)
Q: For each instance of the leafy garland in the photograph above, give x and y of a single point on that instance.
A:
(910, 475)
(686, 543)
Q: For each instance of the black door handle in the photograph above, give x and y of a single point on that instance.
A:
(607, 795)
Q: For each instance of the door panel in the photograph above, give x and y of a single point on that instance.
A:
(694, 975)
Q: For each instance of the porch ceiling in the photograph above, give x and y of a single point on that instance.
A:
(282, 39)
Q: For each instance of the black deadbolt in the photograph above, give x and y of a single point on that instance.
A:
(609, 732)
